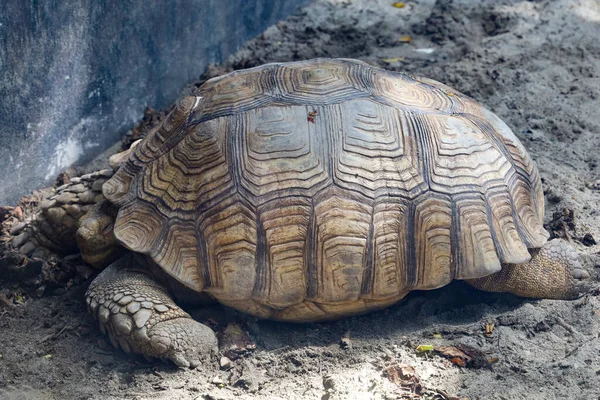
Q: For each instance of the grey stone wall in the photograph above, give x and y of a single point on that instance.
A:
(74, 75)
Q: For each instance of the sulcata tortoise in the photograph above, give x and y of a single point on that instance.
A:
(315, 190)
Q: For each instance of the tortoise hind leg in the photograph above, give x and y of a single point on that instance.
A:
(554, 272)
(139, 316)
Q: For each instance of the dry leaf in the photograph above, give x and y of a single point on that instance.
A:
(18, 212)
(464, 356)
(404, 376)
(405, 39)
(489, 329)
(398, 4)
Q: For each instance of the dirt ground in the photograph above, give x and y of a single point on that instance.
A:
(534, 63)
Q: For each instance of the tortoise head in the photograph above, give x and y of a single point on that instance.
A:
(95, 236)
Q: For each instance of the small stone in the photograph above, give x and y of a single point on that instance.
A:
(225, 363)
(588, 240)
(17, 228)
(217, 380)
(97, 186)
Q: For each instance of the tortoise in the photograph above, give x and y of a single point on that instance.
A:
(315, 190)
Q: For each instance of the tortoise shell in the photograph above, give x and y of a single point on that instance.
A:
(316, 189)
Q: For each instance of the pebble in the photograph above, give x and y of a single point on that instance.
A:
(225, 363)
(217, 380)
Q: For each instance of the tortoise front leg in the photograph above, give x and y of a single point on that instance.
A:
(554, 272)
(139, 316)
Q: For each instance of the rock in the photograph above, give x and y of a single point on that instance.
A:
(225, 363)
(588, 240)
(217, 380)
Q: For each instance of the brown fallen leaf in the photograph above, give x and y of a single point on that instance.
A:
(403, 376)
(464, 356)
(18, 212)
(489, 328)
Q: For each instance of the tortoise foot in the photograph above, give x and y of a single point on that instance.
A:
(554, 272)
(140, 317)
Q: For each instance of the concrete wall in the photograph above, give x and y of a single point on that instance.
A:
(74, 76)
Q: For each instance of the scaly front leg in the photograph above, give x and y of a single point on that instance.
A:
(139, 316)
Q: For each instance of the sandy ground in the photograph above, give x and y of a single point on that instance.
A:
(537, 65)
